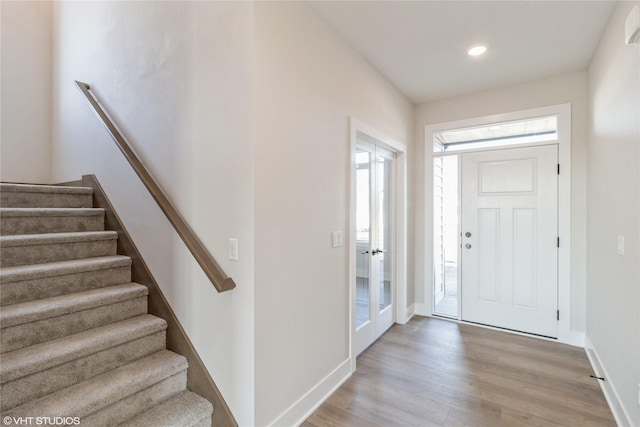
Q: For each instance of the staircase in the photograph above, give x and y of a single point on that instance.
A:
(75, 337)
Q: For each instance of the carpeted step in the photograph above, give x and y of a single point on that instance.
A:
(26, 249)
(75, 339)
(115, 396)
(45, 196)
(50, 220)
(186, 409)
(37, 321)
(36, 371)
(29, 282)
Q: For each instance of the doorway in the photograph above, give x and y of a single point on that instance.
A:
(375, 196)
(495, 234)
(491, 258)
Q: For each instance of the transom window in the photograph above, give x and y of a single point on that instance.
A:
(528, 131)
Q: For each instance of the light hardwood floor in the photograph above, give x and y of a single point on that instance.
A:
(433, 372)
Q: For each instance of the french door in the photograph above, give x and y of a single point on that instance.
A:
(374, 243)
(509, 239)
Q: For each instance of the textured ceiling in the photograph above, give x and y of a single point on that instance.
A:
(420, 46)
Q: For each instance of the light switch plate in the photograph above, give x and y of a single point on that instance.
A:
(336, 239)
(233, 249)
(621, 245)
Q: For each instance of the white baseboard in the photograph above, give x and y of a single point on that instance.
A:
(608, 388)
(301, 409)
(406, 314)
(411, 311)
(421, 309)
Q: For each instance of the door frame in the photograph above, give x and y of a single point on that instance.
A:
(563, 111)
(399, 215)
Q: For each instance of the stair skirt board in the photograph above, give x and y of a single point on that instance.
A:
(75, 334)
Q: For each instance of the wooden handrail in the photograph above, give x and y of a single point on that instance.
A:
(209, 265)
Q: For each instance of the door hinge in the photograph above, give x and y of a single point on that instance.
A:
(558, 168)
(558, 241)
(558, 315)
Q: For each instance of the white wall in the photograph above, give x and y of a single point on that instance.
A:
(570, 88)
(613, 292)
(307, 83)
(176, 77)
(25, 150)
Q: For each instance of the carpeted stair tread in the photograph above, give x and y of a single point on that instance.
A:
(26, 361)
(46, 308)
(50, 247)
(60, 268)
(103, 390)
(16, 221)
(40, 196)
(55, 238)
(37, 188)
(24, 283)
(49, 212)
(184, 410)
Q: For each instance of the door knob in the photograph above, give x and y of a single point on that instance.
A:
(467, 234)
(376, 252)
(468, 246)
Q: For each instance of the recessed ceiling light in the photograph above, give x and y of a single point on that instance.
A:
(477, 50)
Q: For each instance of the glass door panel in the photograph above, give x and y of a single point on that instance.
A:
(384, 232)
(374, 180)
(445, 236)
(363, 233)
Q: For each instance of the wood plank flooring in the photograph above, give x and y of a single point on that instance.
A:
(433, 372)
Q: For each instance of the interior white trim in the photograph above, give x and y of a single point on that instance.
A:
(565, 334)
(608, 388)
(410, 312)
(400, 210)
(302, 408)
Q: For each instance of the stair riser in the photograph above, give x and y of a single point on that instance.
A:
(44, 224)
(31, 333)
(39, 384)
(13, 199)
(28, 290)
(37, 254)
(137, 403)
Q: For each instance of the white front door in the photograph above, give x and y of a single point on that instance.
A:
(374, 249)
(509, 239)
